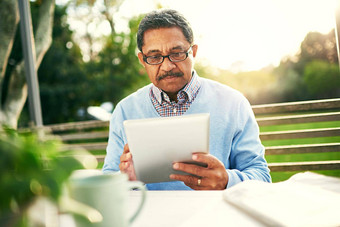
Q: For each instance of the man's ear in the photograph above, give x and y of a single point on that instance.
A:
(140, 57)
(194, 50)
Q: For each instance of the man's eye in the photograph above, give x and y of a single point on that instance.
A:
(176, 54)
(155, 57)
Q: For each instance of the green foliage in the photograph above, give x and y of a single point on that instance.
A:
(67, 84)
(311, 74)
(289, 85)
(317, 46)
(30, 167)
(62, 79)
(322, 79)
(116, 72)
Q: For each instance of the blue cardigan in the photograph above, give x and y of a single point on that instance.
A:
(234, 133)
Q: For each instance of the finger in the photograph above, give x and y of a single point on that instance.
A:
(126, 149)
(126, 157)
(192, 181)
(210, 160)
(124, 166)
(187, 179)
(127, 168)
(191, 169)
(201, 184)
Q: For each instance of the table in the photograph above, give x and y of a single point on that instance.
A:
(181, 209)
(185, 209)
(305, 199)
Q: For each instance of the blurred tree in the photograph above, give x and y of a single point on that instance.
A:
(322, 79)
(289, 84)
(62, 78)
(93, 16)
(116, 71)
(317, 46)
(69, 85)
(297, 76)
(13, 87)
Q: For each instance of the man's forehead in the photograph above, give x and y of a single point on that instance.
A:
(164, 40)
(158, 50)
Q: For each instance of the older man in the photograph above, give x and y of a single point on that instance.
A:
(167, 52)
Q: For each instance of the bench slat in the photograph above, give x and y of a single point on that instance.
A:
(304, 166)
(302, 149)
(100, 158)
(295, 134)
(87, 146)
(84, 136)
(77, 125)
(296, 119)
(297, 106)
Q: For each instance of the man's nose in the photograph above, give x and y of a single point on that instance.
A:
(167, 65)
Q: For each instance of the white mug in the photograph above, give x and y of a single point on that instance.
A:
(103, 197)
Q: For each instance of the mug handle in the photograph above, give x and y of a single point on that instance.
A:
(141, 186)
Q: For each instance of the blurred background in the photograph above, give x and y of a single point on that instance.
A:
(271, 51)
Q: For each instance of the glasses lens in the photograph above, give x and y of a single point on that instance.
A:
(178, 56)
(154, 59)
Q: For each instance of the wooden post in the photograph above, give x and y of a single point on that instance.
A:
(30, 66)
(337, 29)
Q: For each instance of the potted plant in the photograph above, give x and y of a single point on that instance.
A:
(30, 167)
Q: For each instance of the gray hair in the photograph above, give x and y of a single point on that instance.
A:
(165, 18)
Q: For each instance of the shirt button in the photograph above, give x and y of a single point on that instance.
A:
(175, 110)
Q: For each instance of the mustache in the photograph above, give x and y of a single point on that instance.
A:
(177, 74)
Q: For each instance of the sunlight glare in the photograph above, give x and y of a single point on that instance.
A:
(238, 35)
(253, 34)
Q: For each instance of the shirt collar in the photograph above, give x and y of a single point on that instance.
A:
(190, 89)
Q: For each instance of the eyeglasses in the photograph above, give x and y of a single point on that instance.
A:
(174, 57)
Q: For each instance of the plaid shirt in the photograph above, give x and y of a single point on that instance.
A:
(185, 97)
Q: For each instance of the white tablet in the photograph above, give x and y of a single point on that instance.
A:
(156, 143)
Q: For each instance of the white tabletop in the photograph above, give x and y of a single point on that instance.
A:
(180, 209)
(304, 199)
(185, 209)
(250, 203)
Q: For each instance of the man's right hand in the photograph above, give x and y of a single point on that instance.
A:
(126, 164)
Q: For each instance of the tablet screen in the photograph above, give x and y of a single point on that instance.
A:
(156, 143)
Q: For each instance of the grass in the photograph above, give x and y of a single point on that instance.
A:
(333, 139)
(315, 125)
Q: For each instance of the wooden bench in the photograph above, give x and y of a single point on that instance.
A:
(323, 113)
(305, 128)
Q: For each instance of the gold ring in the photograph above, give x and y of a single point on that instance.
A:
(199, 182)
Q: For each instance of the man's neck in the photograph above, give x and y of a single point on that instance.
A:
(172, 96)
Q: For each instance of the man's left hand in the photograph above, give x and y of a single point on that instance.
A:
(212, 177)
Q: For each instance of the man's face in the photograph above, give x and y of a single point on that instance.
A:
(168, 76)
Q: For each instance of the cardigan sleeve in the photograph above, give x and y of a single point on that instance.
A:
(116, 141)
(247, 152)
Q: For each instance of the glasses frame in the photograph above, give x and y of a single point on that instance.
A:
(145, 58)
